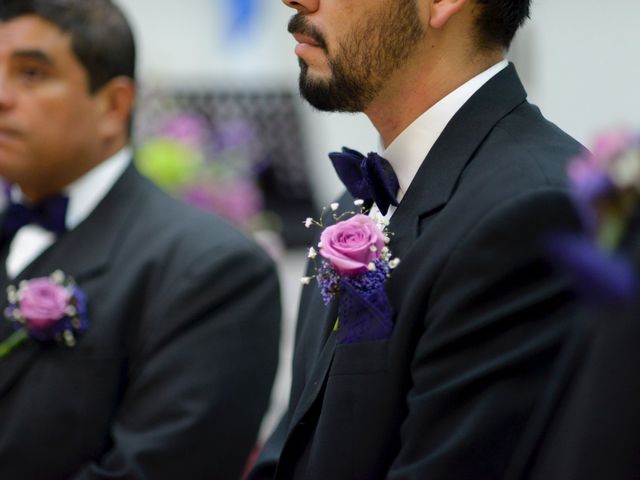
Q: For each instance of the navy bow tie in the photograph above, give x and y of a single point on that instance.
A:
(369, 178)
(49, 214)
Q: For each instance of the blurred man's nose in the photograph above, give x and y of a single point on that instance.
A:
(7, 96)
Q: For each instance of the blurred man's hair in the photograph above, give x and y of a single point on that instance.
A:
(101, 37)
(499, 20)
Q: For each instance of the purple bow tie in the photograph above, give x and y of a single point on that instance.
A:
(369, 178)
(49, 214)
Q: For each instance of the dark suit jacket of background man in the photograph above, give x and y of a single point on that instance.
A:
(173, 376)
(479, 314)
(588, 426)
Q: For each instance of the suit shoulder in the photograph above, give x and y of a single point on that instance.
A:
(170, 225)
(523, 151)
(538, 140)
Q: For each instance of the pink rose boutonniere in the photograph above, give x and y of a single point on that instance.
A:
(354, 266)
(48, 309)
(352, 245)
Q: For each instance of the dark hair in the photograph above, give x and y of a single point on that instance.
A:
(498, 21)
(101, 37)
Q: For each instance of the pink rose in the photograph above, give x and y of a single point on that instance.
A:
(348, 244)
(43, 303)
(611, 144)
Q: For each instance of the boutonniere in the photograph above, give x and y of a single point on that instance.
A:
(352, 263)
(605, 187)
(48, 309)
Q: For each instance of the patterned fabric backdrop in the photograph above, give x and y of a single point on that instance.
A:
(237, 153)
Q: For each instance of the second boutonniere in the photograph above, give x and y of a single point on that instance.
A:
(47, 309)
(605, 187)
(352, 264)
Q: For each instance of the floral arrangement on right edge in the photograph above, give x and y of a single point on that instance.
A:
(605, 186)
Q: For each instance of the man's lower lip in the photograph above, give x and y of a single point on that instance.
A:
(303, 48)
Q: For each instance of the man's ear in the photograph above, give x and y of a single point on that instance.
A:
(442, 10)
(117, 98)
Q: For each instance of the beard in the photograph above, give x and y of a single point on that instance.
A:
(364, 59)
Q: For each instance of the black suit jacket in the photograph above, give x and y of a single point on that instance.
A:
(173, 375)
(588, 426)
(479, 314)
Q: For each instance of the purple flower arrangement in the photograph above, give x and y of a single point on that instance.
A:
(605, 187)
(215, 168)
(354, 266)
(48, 309)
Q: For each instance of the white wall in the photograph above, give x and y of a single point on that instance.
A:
(578, 59)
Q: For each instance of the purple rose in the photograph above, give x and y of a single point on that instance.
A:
(351, 245)
(43, 303)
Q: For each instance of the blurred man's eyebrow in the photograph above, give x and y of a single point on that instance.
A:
(34, 54)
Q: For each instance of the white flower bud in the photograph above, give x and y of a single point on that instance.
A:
(394, 263)
(312, 253)
(69, 339)
(334, 206)
(373, 248)
(308, 222)
(305, 280)
(358, 202)
(371, 267)
(57, 276)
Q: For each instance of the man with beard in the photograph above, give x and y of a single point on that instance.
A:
(479, 315)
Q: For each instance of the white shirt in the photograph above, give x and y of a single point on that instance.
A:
(409, 149)
(84, 195)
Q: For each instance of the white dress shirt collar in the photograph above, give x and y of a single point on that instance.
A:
(86, 192)
(84, 195)
(409, 149)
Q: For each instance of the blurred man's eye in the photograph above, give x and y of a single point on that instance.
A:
(32, 73)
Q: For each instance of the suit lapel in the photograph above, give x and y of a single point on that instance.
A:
(82, 253)
(85, 251)
(439, 173)
(323, 349)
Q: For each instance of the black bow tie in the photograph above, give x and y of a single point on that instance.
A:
(49, 214)
(369, 178)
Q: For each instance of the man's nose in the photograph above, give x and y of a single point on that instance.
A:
(303, 6)
(7, 95)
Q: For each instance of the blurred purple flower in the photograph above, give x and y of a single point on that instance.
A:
(605, 187)
(239, 201)
(600, 278)
(234, 134)
(187, 128)
(589, 178)
(610, 145)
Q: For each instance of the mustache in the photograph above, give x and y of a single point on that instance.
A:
(299, 24)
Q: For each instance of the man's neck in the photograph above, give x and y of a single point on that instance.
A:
(53, 186)
(412, 91)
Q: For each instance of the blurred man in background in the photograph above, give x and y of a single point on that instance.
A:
(172, 375)
(473, 177)
(588, 424)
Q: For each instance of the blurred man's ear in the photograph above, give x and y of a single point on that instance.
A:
(116, 100)
(441, 11)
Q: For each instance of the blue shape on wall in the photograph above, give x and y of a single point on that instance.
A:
(241, 19)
